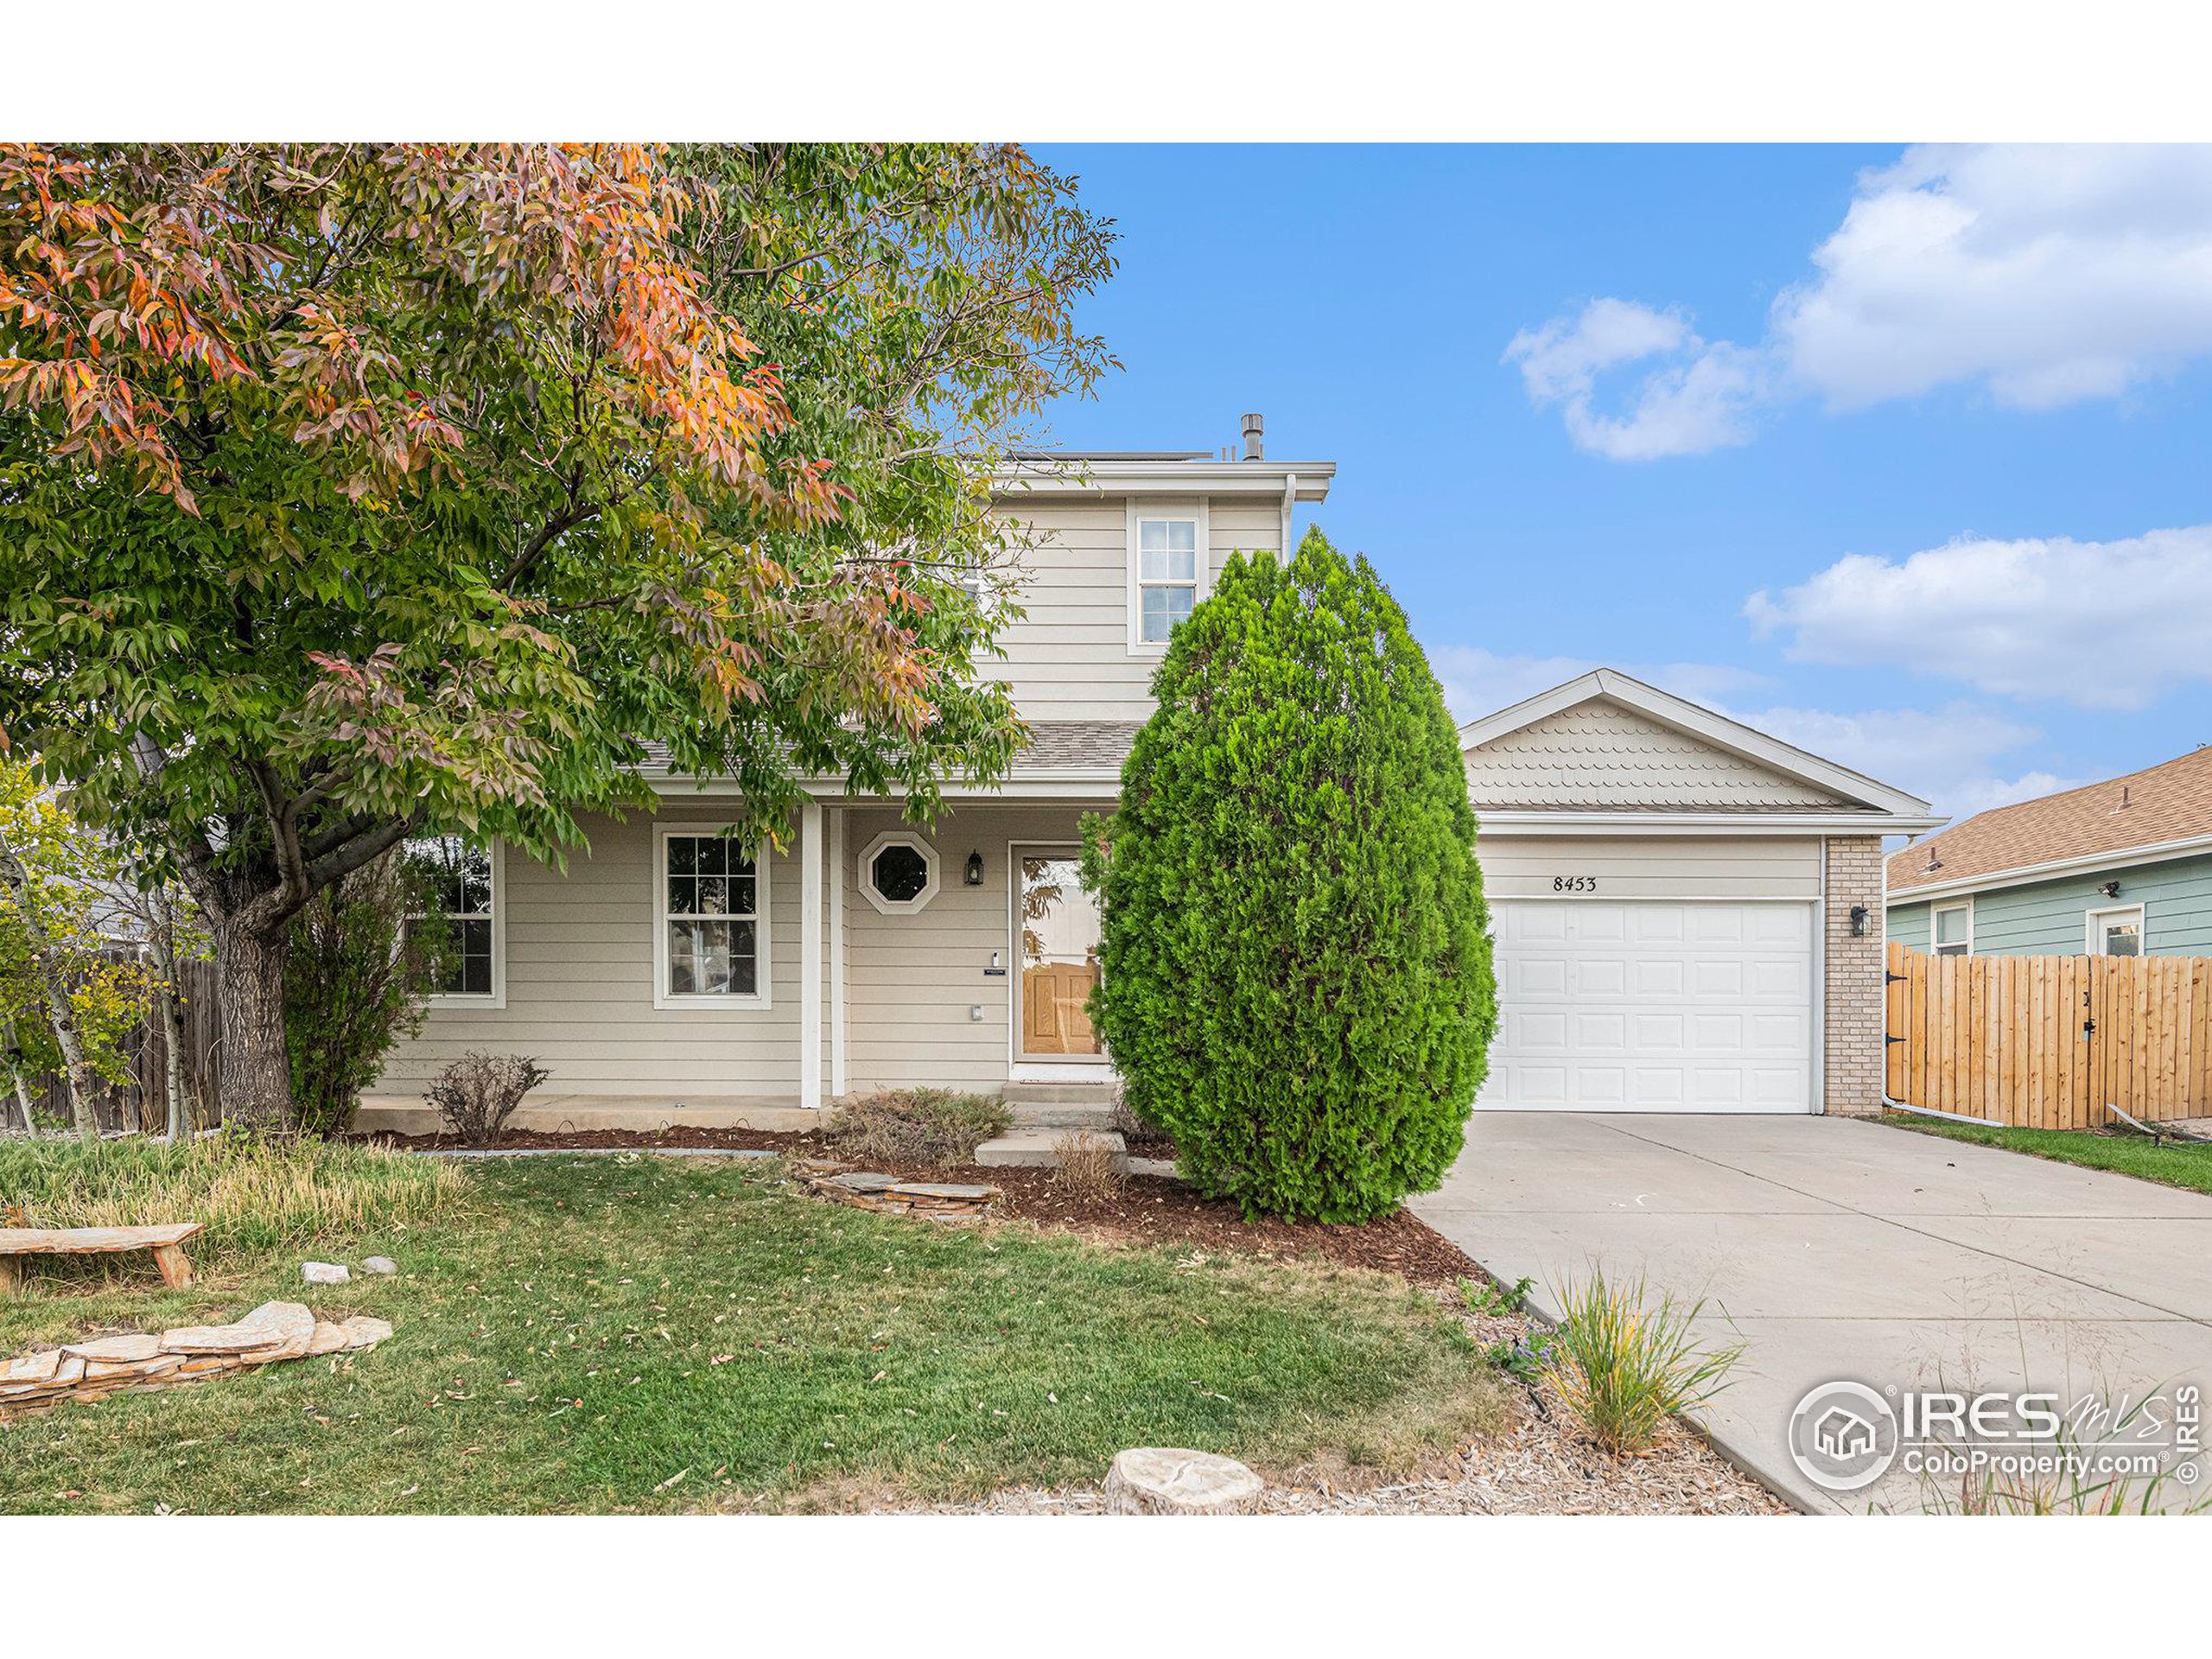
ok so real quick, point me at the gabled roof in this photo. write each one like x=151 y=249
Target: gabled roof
x=1720 y=768
x=2164 y=810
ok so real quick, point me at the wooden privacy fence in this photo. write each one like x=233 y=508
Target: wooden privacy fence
x=141 y=1100
x=2051 y=1042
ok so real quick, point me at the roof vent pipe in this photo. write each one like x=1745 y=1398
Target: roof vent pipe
x=1256 y=426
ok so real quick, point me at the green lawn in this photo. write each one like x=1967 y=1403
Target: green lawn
x=589 y=1334
x=2170 y=1164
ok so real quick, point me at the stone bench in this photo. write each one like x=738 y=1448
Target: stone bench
x=167 y=1242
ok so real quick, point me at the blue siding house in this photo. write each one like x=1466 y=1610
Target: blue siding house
x=2118 y=869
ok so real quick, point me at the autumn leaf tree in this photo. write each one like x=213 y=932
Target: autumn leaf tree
x=350 y=493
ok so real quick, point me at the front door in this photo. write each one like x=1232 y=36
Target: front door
x=1056 y=953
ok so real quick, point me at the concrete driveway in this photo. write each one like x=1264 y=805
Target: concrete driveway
x=1848 y=1249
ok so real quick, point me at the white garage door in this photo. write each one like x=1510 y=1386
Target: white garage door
x=1651 y=1007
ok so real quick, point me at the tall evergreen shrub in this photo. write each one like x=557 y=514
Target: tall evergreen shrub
x=1297 y=965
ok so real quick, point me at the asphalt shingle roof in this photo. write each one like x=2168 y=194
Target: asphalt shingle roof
x=2169 y=802
x=1055 y=746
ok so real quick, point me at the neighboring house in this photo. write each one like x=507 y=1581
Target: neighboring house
x=2122 y=868
x=1687 y=912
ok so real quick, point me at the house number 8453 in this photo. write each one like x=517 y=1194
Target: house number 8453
x=1574 y=884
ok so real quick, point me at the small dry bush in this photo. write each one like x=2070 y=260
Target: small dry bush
x=1626 y=1363
x=1090 y=1169
x=478 y=1093
x=931 y=1127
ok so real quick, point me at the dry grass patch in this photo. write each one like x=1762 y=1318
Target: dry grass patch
x=252 y=1194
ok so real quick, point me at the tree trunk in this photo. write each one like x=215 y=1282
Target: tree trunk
x=257 y=1074
x=163 y=937
x=15 y=1077
x=59 y=1013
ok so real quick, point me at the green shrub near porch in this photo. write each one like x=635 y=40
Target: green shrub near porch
x=1297 y=981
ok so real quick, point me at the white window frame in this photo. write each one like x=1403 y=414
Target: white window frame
x=1190 y=513
x=763 y=976
x=864 y=872
x=1934 y=945
x=2094 y=921
x=497 y=996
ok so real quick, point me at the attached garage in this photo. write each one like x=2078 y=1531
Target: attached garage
x=1687 y=912
x=1653 y=1006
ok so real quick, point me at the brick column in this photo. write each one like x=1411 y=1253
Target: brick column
x=1854 y=967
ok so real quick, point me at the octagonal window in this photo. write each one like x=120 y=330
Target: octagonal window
x=898 y=873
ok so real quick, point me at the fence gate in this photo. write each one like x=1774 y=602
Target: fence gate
x=2049 y=1042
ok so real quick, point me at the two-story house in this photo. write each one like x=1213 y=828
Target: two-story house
x=1687 y=912
x=664 y=977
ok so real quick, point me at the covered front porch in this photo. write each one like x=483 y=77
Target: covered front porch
x=666 y=980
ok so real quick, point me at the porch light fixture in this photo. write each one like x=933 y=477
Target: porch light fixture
x=1858 y=921
x=974 y=875
x=2111 y=889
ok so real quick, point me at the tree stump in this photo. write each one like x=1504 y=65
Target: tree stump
x=1165 y=1480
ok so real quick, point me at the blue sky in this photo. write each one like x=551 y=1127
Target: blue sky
x=1587 y=402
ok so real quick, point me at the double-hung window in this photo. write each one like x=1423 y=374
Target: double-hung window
x=463 y=880
x=712 y=922
x=1167 y=559
x=1953 y=931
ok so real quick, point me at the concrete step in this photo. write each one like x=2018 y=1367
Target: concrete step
x=1057 y=1094
x=1038 y=1149
x=1064 y=1117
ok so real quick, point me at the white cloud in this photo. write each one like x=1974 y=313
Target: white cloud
x=1950 y=757
x=1696 y=402
x=2106 y=624
x=1478 y=681
x=1979 y=795
x=2047 y=273
x=1947 y=757
x=2044 y=274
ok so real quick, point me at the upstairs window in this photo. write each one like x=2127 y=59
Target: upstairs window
x=1165 y=566
x=464 y=891
x=1954 y=932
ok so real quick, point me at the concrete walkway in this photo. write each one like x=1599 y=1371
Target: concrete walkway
x=1848 y=1249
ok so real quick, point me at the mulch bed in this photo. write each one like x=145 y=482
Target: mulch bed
x=1159 y=1210
x=1148 y=1209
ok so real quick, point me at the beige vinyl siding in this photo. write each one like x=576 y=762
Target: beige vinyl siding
x=580 y=970
x=1599 y=753
x=910 y=981
x=1659 y=867
x=1069 y=656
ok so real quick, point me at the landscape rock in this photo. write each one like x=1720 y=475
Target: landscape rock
x=31 y=1368
x=362 y=1332
x=288 y=1327
x=888 y=1195
x=324 y=1273
x=132 y=1344
x=1166 y=1480
x=383 y=1265
x=99 y=1366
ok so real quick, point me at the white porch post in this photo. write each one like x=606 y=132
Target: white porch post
x=809 y=956
x=838 y=953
